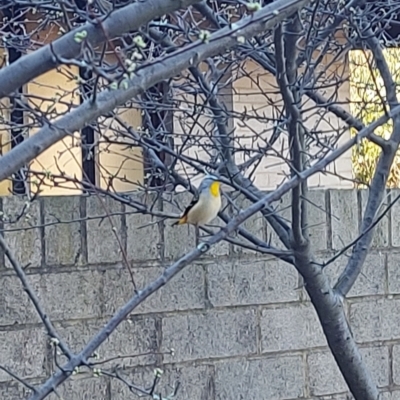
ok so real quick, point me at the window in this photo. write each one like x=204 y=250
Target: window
x=105 y=159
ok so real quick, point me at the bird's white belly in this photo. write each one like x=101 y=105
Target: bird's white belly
x=204 y=211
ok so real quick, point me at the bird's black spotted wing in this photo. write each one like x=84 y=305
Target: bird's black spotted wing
x=187 y=209
x=190 y=206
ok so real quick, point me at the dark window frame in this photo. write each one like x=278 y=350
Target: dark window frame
x=17 y=114
x=88 y=137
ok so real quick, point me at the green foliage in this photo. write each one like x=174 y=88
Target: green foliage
x=367 y=92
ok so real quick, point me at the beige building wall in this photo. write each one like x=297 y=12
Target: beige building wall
x=5 y=142
x=257 y=94
x=193 y=130
x=52 y=95
x=5 y=136
x=120 y=162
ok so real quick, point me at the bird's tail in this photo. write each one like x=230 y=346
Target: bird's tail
x=180 y=221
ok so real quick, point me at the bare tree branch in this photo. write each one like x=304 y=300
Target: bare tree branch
x=120 y=21
x=35 y=300
x=271 y=133
x=18 y=379
x=170 y=272
x=377 y=189
x=327 y=304
x=331 y=314
x=154 y=72
x=262 y=61
x=227 y=166
x=258 y=245
x=286 y=55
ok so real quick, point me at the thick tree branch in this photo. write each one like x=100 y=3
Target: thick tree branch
x=148 y=76
x=327 y=304
x=125 y=19
x=383 y=67
x=230 y=168
x=259 y=245
x=60 y=376
x=253 y=193
x=246 y=186
x=377 y=188
x=331 y=314
x=217 y=108
x=260 y=59
x=286 y=56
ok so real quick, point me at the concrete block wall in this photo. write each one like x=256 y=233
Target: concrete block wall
x=232 y=325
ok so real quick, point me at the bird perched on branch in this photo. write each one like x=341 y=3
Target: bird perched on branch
x=204 y=207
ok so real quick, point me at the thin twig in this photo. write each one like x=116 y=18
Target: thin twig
x=35 y=300
x=17 y=378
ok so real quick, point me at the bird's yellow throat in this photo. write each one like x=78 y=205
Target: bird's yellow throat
x=214 y=188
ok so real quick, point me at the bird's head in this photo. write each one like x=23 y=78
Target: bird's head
x=212 y=184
